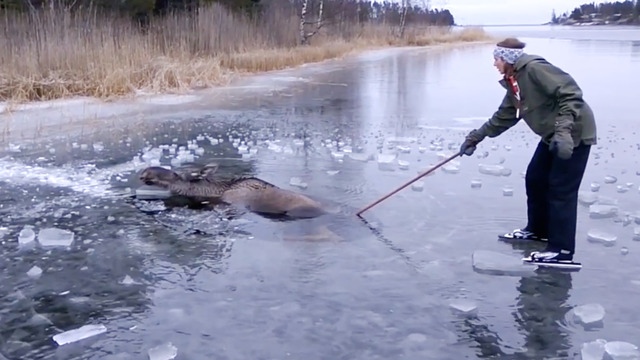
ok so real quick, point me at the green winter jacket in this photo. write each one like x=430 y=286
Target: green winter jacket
x=547 y=94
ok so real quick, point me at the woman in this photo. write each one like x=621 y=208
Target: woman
x=551 y=103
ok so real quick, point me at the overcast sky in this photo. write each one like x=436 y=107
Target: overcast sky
x=500 y=12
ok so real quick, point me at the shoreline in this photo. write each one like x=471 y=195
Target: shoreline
x=228 y=74
x=109 y=58
x=39 y=121
x=10 y=107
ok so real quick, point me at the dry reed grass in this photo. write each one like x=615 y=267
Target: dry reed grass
x=52 y=55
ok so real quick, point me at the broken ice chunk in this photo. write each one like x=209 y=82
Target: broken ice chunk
x=152 y=154
x=332 y=172
x=51 y=237
x=296 y=181
x=451 y=168
x=128 y=280
x=507 y=191
x=417 y=186
x=587 y=197
x=243 y=149
x=623 y=188
x=597 y=211
x=338 y=155
x=148 y=192
x=463 y=306
x=624 y=250
x=589 y=313
x=275 y=147
x=163 y=352
x=26 y=236
x=359 y=157
x=34 y=272
x=620 y=350
x=593 y=350
x=78 y=334
x=403 y=165
x=493 y=263
x=595 y=187
x=385 y=161
x=3 y=232
x=404 y=149
x=609 y=179
x=495 y=170
x=636 y=233
x=601 y=237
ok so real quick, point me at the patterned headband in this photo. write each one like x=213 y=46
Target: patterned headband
x=507 y=54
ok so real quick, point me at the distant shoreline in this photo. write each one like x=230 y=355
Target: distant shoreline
x=552 y=24
x=594 y=24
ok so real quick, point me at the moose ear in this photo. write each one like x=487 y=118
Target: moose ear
x=209 y=169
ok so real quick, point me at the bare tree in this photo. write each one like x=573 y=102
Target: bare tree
x=303 y=20
x=304 y=35
x=403 y=17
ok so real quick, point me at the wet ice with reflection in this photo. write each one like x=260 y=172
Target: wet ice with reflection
x=494 y=263
x=320 y=300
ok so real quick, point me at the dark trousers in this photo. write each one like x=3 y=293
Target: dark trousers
x=552 y=195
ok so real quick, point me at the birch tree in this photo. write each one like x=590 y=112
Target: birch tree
x=403 y=17
x=305 y=35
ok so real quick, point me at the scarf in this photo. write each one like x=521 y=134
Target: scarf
x=513 y=84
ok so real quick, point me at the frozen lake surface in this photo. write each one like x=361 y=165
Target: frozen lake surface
x=87 y=272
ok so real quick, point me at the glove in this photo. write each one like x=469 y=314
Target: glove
x=470 y=142
x=562 y=142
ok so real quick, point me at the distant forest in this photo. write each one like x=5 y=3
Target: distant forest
x=607 y=13
x=387 y=12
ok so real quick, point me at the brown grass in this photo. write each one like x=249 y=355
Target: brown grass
x=53 y=55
